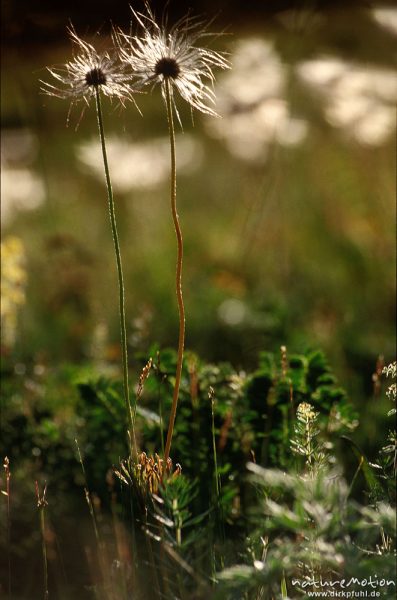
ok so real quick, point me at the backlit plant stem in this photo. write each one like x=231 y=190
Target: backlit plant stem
x=181 y=308
x=113 y=224
x=211 y=394
x=41 y=505
x=44 y=552
x=7 y=492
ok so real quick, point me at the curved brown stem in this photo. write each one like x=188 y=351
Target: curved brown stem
x=181 y=308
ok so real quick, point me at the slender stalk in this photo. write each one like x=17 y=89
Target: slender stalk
x=353 y=481
x=217 y=485
x=177 y=521
x=6 y=466
x=153 y=569
x=160 y=400
x=44 y=551
x=113 y=224
x=181 y=308
x=211 y=395
x=88 y=497
x=41 y=504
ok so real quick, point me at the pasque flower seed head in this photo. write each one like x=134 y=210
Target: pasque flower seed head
x=89 y=70
x=91 y=75
x=161 y=54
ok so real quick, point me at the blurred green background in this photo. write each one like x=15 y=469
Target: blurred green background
x=286 y=203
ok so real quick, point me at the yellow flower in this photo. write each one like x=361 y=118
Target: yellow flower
x=13 y=283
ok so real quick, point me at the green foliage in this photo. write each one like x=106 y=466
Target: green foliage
x=386 y=466
x=276 y=390
x=313 y=531
x=38 y=422
x=306 y=528
x=102 y=432
x=253 y=417
x=294 y=518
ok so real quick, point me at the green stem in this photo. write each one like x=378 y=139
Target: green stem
x=119 y=270
x=44 y=551
x=88 y=497
x=211 y=395
x=8 y=492
x=217 y=487
x=181 y=308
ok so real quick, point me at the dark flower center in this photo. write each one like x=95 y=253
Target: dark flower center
x=168 y=67
x=95 y=77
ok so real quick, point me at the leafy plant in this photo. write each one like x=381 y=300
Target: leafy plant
x=386 y=465
x=314 y=532
x=306 y=530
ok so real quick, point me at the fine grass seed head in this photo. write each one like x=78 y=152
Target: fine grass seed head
x=80 y=78
x=160 y=54
x=147 y=473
